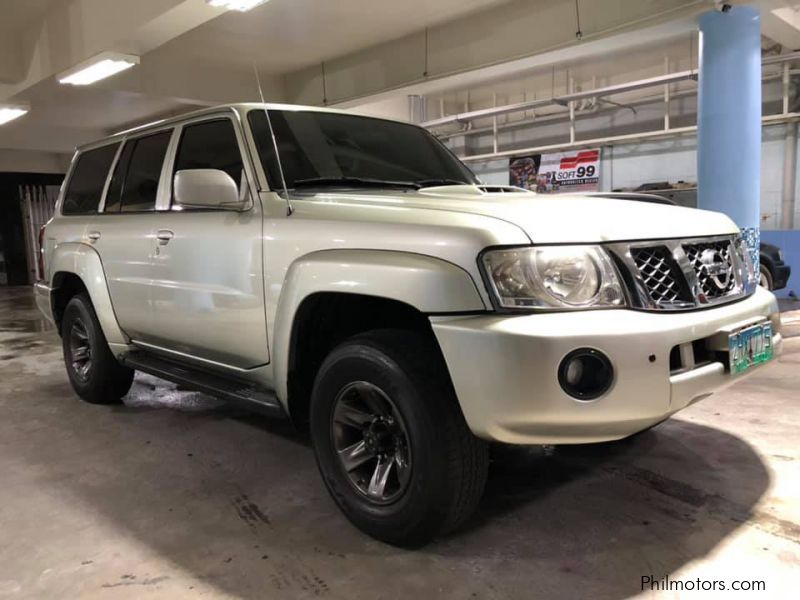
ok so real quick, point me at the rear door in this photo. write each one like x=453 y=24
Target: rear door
x=123 y=232
x=207 y=273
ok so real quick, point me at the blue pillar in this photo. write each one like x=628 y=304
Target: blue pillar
x=729 y=118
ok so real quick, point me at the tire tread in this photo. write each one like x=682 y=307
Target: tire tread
x=112 y=380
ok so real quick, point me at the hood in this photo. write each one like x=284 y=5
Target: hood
x=558 y=218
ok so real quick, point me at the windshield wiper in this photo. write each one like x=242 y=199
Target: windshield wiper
x=444 y=181
x=354 y=182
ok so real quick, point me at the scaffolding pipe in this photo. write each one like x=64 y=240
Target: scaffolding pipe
x=565 y=115
x=571 y=112
x=666 y=96
x=689 y=75
x=786 y=83
x=494 y=124
x=604 y=141
x=565 y=99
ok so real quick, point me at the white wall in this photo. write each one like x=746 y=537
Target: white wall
x=673 y=160
x=30 y=161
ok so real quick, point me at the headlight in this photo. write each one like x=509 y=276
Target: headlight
x=553 y=277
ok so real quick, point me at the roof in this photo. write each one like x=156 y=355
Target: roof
x=238 y=108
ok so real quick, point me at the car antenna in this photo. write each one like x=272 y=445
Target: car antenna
x=289 y=209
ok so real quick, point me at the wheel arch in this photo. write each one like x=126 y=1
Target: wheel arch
x=329 y=296
x=766 y=260
x=77 y=268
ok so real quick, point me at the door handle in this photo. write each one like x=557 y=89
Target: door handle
x=93 y=236
x=164 y=236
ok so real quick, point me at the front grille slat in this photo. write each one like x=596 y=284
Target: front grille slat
x=681 y=274
x=660 y=274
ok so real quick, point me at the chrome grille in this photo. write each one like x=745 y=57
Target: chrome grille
x=680 y=274
x=659 y=274
x=713 y=283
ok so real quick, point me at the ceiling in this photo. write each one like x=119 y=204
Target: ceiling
x=186 y=67
x=21 y=14
x=196 y=55
x=285 y=35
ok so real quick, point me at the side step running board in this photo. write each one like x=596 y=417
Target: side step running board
x=239 y=393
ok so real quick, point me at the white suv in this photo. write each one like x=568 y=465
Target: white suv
x=352 y=274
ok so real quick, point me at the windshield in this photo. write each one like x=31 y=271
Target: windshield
x=325 y=149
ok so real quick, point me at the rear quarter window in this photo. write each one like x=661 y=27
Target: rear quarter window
x=85 y=186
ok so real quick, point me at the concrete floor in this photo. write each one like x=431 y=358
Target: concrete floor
x=174 y=496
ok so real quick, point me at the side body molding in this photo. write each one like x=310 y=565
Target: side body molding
x=429 y=284
x=84 y=261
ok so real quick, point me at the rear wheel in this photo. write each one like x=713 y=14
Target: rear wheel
x=390 y=440
x=95 y=375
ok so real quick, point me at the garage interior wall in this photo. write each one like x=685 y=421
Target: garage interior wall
x=673 y=160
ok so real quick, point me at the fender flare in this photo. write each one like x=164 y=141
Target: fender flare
x=428 y=284
x=84 y=261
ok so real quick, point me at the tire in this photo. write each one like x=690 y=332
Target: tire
x=94 y=373
x=766 y=278
x=436 y=467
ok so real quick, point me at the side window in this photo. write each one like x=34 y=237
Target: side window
x=87 y=180
x=211 y=145
x=138 y=187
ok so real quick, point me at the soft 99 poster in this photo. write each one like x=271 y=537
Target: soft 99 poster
x=557 y=173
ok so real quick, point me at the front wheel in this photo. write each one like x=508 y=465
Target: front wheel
x=390 y=440
x=95 y=375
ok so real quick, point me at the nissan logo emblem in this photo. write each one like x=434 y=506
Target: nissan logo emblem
x=716 y=267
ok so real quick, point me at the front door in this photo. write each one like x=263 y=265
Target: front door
x=207 y=277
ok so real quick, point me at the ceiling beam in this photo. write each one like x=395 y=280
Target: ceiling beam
x=501 y=42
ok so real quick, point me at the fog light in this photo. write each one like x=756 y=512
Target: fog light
x=585 y=374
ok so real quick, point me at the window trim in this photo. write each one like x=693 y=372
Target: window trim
x=128 y=139
x=101 y=207
x=256 y=179
x=172 y=155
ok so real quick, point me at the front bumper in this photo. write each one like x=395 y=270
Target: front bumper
x=43 y=294
x=781 y=277
x=504 y=368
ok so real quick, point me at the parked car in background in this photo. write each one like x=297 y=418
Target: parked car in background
x=352 y=274
x=774 y=271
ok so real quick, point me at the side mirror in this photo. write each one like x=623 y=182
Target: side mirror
x=207 y=188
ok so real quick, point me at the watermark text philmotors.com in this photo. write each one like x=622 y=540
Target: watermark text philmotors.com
x=666 y=584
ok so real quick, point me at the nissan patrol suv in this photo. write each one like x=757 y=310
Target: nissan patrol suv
x=351 y=274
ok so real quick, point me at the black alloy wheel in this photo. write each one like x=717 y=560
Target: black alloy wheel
x=371 y=442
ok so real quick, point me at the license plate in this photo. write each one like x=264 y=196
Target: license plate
x=750 y=347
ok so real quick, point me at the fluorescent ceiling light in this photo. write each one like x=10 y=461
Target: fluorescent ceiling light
x=97 y=68
x=9 y=113
x=240 y=5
